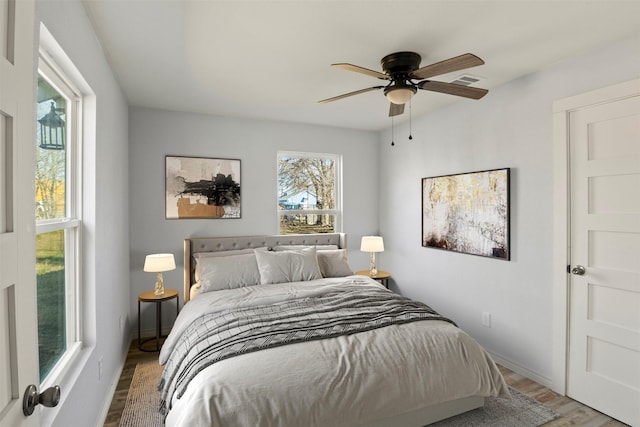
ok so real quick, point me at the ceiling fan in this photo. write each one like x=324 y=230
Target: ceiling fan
x=405 y=77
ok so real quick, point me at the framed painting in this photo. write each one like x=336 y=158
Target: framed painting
x=467 y=213
x=202 y=188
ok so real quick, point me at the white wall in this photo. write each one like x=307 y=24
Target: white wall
x=510 y=127
x=157 y=133
x=106 y=222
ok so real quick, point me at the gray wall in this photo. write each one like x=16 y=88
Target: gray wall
x=157 y=133
x=510 y=127
x=105 y=283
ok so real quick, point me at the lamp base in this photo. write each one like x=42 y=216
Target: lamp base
x=159 y=285
x=373 y=270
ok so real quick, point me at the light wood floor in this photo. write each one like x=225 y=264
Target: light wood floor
x=572 y=413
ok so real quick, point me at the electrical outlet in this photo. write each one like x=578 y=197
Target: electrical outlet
x=100 y=367
x=486 y=319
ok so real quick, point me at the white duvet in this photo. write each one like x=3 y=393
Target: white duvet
x=343 y=381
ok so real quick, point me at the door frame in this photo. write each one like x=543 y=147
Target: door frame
x=562 y=109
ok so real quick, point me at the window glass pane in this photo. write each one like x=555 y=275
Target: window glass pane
x=51 y=152
x=298 y=223
x=50 y=277
x=306 y=183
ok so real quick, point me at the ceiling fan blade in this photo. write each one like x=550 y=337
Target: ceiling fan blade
x=345 y=95
x=453 y=89
x=362 y=70
x=395 y=109
x=457 y=63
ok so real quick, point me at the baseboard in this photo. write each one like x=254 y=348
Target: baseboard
x=102 y=417
x=522 y=370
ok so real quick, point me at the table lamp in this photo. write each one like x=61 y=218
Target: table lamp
x=157 y=263
x=372 y=244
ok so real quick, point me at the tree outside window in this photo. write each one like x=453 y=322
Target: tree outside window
x=57 y=221
x=308 y=193
x=51 y=164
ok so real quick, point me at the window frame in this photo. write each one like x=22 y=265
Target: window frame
x=71 y=223
x=337 y=170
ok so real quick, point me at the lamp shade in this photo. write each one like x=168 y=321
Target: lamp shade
x=159 y=262
x=372 y=244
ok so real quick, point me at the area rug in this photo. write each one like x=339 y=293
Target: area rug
x=141 y=406
x=520 y=411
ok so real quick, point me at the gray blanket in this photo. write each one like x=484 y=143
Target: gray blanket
x=222 y=334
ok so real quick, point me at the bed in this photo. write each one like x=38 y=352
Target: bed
x=277 y=331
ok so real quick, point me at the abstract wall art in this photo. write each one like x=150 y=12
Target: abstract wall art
x=199 y=187
x=467 y=213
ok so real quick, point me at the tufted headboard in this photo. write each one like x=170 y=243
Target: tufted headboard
x=193 y=245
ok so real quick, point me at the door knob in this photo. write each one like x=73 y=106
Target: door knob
x=49 y=398
x=578 y=270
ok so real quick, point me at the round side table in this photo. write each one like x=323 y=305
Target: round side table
x=150 y=296
x=382 y=276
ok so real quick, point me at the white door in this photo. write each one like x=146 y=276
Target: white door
x=18 y=328
x=604 y=292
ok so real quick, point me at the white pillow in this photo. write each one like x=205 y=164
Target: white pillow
x=288 y=266
x=228 y=272
x=334 y=263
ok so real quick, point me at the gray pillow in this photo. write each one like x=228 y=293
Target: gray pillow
x=334 y=263
x=228 y=272
x=199 y=255
x=288 y=266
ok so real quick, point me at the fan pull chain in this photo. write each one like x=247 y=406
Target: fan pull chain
x=410 y=137
x=392 y=143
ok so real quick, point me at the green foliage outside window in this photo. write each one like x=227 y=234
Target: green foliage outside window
x=50 y=277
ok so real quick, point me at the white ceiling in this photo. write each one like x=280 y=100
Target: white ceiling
x=271 y=59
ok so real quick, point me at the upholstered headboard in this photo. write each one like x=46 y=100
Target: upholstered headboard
x=193 y=245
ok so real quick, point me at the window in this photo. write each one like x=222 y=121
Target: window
x=57 y=182
x=309 y=193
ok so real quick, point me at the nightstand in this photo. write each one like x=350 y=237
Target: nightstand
x=382 y=276
x=150 y=296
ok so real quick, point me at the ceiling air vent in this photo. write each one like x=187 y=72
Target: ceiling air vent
x=466 y=80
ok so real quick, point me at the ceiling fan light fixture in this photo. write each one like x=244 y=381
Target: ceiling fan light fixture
x=405 y=76
x=400 y=95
